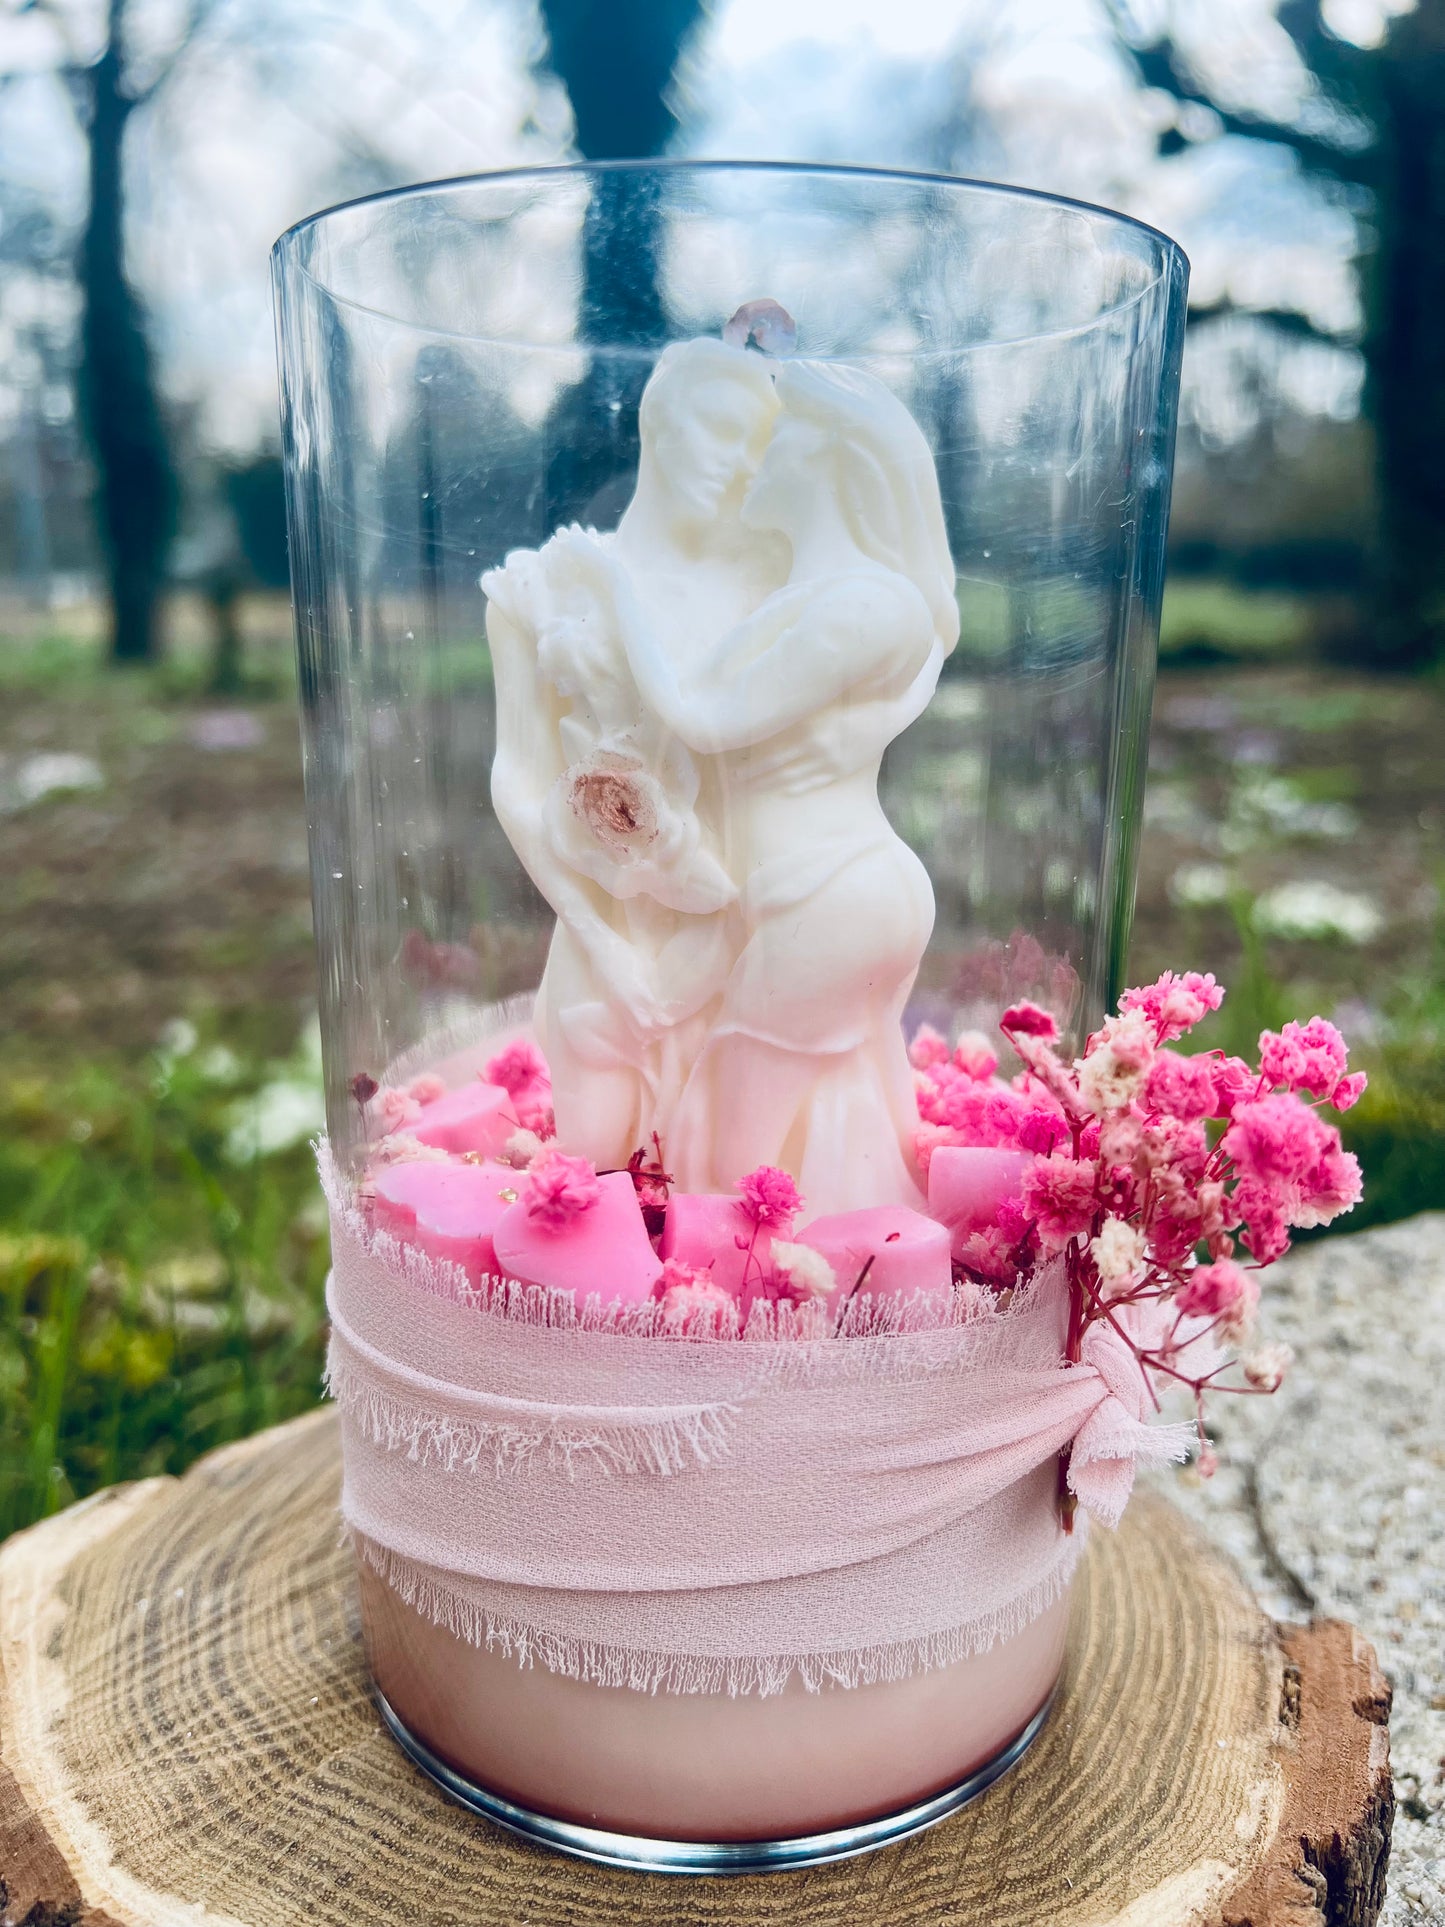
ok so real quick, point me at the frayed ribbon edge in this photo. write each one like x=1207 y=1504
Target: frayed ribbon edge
x=761 y=1675
x=663 y=1445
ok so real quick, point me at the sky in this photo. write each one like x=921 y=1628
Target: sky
x=281 y=106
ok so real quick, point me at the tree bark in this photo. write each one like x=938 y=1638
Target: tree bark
x=135 y=479
x=1405 y=342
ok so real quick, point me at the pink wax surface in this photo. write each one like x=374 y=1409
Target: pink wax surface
x=967 y=1184
x=477 y=1117
x=703 y=1228
x=704 y=1766
x=604 y=1249
x=450 y=1210
x=908 y=1252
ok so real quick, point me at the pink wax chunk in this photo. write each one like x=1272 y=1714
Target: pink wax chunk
x=967 y=1184
x=703 y=1228
x=450 y=1210
x=604 y=1248
x=477 y=1117
x=909 y=1252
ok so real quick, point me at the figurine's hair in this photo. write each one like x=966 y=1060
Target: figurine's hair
x=687 y=358
x=886 y=480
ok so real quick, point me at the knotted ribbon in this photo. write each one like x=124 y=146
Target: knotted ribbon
x=719 y=1515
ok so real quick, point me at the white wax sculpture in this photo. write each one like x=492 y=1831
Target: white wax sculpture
x=691 y=714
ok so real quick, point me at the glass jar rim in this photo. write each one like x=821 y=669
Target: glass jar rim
x=285 y=251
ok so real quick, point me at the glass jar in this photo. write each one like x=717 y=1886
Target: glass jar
x=726 y=603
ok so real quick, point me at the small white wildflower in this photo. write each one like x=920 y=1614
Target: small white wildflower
x=1119 y=1252
x=281 y=1114
x=1307 y=908
x=1265 y=1368
x=806 y=1270
x=1195 y=885
x=520 y=1148
x=178 y=1038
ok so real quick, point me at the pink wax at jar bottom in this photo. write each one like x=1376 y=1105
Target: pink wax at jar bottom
x=701 y=1766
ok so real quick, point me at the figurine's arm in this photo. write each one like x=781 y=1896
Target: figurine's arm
x=523 y=770
x=800 y=652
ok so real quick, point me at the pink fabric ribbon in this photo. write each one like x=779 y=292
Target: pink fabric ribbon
x=720 y=1515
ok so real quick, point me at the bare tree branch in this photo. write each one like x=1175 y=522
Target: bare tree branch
x=1160 y=65
x=1286 y=321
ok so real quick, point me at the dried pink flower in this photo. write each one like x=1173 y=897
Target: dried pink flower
x=1304 y=1057
x=534 y=1113
x=928 y=1047
x=1042 y=1131
x=518 y=1068
x=1234 y=1083
x=427 y=1088
x=1058 y=1194
x=1175 y=1004
x=1216 y=1290
x=1029 y=1020
x=558 y=1189
x=1348 y=1092
x=1181 y=1086
x=770 y=1197
x=990 y=1254
x=975 y=1056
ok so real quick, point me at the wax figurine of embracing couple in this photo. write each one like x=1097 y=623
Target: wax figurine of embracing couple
x=691 y=715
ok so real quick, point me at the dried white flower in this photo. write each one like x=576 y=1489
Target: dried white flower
x=1113 y=1073
x=521 y=1147
x=1265 y=1368
x=807 y=1271
x=1119 y=1252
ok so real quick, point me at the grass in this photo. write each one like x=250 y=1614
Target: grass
x=1212 y=619
x=156 y=1299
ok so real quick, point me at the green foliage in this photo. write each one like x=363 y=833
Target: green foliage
x=1397 y=1130
x=156 y=1299
x=1207 y=617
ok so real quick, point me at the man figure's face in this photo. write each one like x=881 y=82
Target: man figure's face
x=707 y=448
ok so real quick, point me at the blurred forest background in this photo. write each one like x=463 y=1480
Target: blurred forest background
x=162 y=1241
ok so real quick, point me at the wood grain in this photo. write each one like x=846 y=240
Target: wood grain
x=186 y=1737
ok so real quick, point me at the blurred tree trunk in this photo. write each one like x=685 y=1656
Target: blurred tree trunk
x=1390 y=142
x=135 y=480
x=1405 y=344
x=615 y=58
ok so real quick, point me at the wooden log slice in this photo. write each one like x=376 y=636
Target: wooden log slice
x=186 y=1737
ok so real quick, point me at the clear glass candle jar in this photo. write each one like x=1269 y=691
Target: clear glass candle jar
x=726 y=601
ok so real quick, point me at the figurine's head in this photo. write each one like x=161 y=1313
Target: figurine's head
x=845 y=447
x=706 y=415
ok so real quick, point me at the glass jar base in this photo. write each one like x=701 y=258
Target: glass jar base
x=643 y=1854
